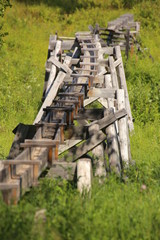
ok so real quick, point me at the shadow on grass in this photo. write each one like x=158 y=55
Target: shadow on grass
x=67 y=6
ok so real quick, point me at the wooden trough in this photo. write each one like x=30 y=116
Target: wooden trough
x=69 y=134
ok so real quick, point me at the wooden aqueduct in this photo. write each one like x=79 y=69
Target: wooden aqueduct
x=85 y=117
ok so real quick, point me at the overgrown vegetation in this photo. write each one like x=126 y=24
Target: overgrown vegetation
x=115 y=210
x=3 y=5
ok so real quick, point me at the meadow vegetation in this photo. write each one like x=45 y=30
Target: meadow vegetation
x=115 y=210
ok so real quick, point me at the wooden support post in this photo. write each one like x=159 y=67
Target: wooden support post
x=113 y=72
x=124 y=86
x=113 y=146
x=123 y=129
x=84 y=175
x=98 y=154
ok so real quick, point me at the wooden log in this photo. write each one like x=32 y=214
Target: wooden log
x=89 y=64
x=123 y=129
x=75 y=61
x=86 y=70
x=124 y=86
x=84 y=175
x=98 y=154
x=91 y=56
x=113 y=146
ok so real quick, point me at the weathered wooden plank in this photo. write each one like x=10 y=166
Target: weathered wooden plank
x=58 y=64
x=8 y=186
x=21 y=162
x=74 y=75
x=89 y=64
x=117 y=62
x=113 y=146
x=113 y=72
x=90 y=100
x=124 y=86
x=78 y=151
x=69 y=143
x=51 y=95
x=110 y=119
x=59 y=101
x=107 y=50
x=101 y=92
x=75 y=61
x=90 y=56
x=123 y=129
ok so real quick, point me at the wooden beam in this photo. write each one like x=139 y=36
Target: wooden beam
x=124 y=86
x=51 y=95
x=58 y=64
x=101 y=92
x=84 y=175
x=78 y=151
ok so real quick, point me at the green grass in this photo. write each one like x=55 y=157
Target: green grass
x=114 y=210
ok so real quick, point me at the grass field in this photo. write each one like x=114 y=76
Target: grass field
x=115 y=210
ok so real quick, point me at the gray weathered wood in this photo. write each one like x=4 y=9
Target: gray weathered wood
x=113 y=146
x=113 y=72
x=101 y=92
x=69 y=143
x=123 y=129
x=124 y=86
x=98 y=154
x=58 y=64
x=51 y=95
x=84 y=175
